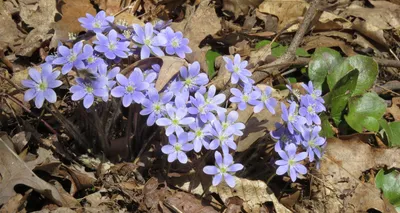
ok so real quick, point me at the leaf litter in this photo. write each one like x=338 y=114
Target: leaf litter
x=86 y=181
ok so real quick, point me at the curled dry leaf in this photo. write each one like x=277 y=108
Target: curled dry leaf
x=169 y=68
x=240 y=7
x=70 y=12
x=9 y=33
x=373 y=21
x=394 y=110
x=38 y=15
x=313 y=42
x=287 y=11
x=201 y=22
x=254 y=193
x=339 y=178
x=14 y=171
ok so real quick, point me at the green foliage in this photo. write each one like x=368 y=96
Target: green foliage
x=323 y=61
x=365 y=112
x=341 y=93
x=389 y=183
x=348 y=80
x=326 y=127
x=367 y=67
x=210 y=60
x=392 y=131
x=277 y=50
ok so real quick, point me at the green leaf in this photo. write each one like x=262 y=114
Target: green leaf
x=365 y=112
x=340 y=95
x=389 y=183
x=338 y=72
x=326 y=127
x=210 y=60
x=263 y=43
x=392 y=131
x=367 y=67
x=279 y=50
x=302 y=52
x=323 y=61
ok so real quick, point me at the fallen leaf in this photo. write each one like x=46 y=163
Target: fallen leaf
x=338 y=181
x=394 y=110
x=254 y=194
x=287 y=11
x=224 y=76
x=14 y=171
x=240 y=7
x=12 y=204
x=186 y=202
x=313 y=42
x=70 y=12
x=199 y=23
x=372 y=21
x=169 y=68
x=40 y=16
x=20 y=140
x=9 y=33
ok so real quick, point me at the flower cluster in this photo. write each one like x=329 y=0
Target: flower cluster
x=300 y=131
x=190 y=111
x=250 y=94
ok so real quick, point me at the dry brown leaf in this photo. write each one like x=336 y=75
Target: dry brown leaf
x=329 y=21
x=170 y=67
x=240 y=7
x=114 y=7
x=38 y=15
x=14 y=171
x=373 y=21
x=312 y=42
x=287 y=11
x=394 y=110
x=199 y=23
x=20 y=140
x=12 y=204
x=254 y=193
x=224 y=76
x=9 y=33
x=339 y=183
x=186 y=202
x=70 y=12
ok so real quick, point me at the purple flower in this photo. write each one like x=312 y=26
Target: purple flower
x=221 y=137
x=98 y=24
x=154 y=107
x=199 y=132
x=176 y=149
x=284 y=137
x=110 y=46
x=248 y=96
x=41 y=86
x=107 y=77
x=266 y=101
x=309 y=109
x=214 y=100
x=223 y=170
x=72 y=58
x=192 y=77
x=293 y=120
x=314 y=94
x=160 y=25
x=176 y=118
x=92 y=62
x=130 y=89
x=313 y=142
x=176 y=44
x=290 y=162
x=229 y=122
x=88 y=89
x=150 y=43
x=200 y=108
x=238 y=69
